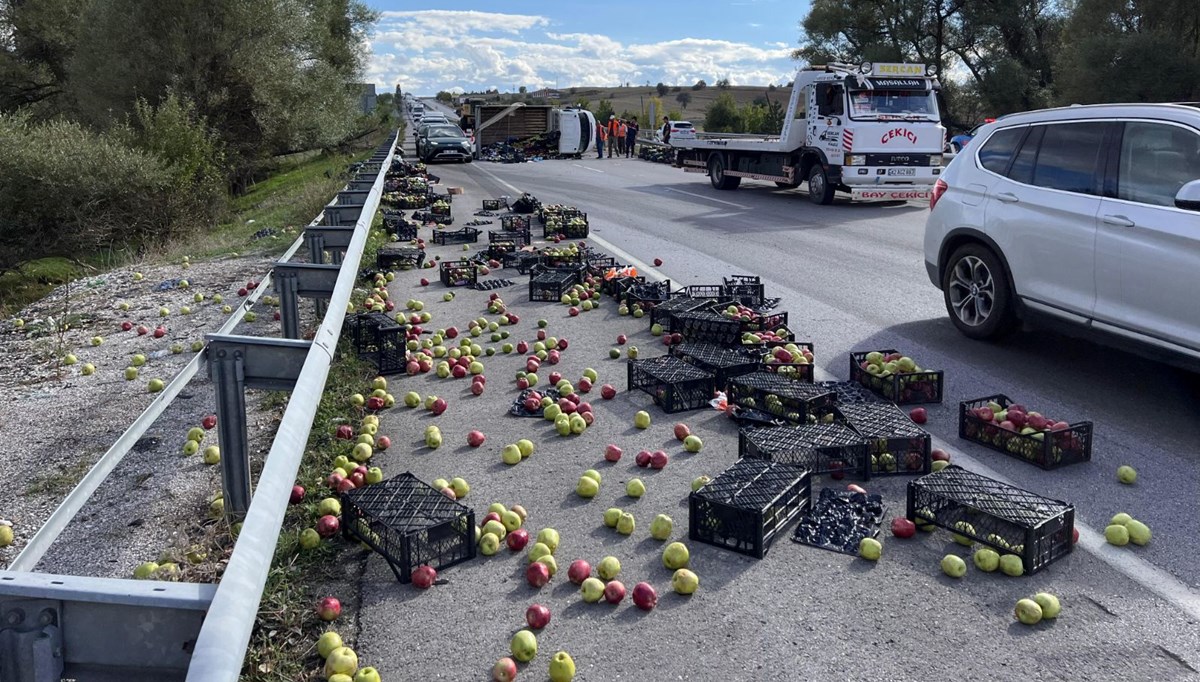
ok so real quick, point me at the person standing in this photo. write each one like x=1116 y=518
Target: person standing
x=600 y=130
x=666 y=136
x=614 y=129
x=631 y=133
x=621 y=137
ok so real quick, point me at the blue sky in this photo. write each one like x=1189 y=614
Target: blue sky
x=431 y=46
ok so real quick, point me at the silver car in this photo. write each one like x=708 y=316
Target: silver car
x=1088 y=214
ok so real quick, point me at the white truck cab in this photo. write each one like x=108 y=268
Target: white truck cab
x=873 y=131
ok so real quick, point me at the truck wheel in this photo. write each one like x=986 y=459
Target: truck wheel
x=716 y=174
x=820 y=192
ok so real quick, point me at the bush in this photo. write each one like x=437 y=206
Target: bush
x=66 y=191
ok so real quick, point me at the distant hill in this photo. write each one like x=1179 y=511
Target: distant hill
x=637 y=98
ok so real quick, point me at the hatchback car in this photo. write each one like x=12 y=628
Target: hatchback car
x=680 y=130
x=445 y=142
x=1088 y=214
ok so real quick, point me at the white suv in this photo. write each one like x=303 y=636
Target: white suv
x=1089 y=214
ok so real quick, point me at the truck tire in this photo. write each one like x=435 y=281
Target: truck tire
x=820 y=192
x=716 y=174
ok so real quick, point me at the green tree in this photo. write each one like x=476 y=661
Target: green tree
x=661 y=89
x=522 y=90
x=723 y=116
x=723 y=84
x=604 y=110
x=700 y=85
x=37 y=42
x=684 y=99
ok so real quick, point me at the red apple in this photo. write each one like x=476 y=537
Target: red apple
x=505 y=670
x=375 y=404
x=522 y=347
x=657 y=262
x=424 y=576
x=614 y=592
x=490 y=516
x=903 y=528
x=439 y=406
x=837 y=470
x=682 y=431
x=1074 y=535
x=425 y=366
x=554 y=378
x=523 y=384
x=345 y=485
x=579 y=571
x=562 y=344
x=855 y=488
x=940 y=456
x=666 y=339
x=985 y=414
x=608 y=392
x=532 y=365
x=329 y=608
x=297 y=494
x=566 y=405
x=412 y=367
x=357 y=479
x=160 y=331
x=345 y=432
x=553 y=357
x=537 y=574
x=126 y=326
x=919 y=415
x=658 y=459
x=541 y=335
x=621 y=339
x=327 y=526
x=424 y=282
x=449 y=492
x=588 y=418
x=612 y=453
x=517 y=539
x=476 y=388
x=209 y=422
x=643 y=458
x=676 y=339
x=143 y=330
x=644 y=596
x=334 y=480
x=537 y=616
x=475 y=438
x=585 y=385
x=573 y=312
x=584 y=408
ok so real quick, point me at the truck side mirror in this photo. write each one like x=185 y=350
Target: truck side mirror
x=1188 y=196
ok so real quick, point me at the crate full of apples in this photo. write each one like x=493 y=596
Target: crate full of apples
x=1001 y=424
x=896 y=377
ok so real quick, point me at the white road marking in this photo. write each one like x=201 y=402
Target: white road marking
x=594 y=170
x=1171 y=589
x=706 y=198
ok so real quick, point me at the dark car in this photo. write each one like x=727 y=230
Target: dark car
x=444 y=142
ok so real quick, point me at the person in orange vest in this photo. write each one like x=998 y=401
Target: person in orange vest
x=600 y=131
x=621 y=135
x=614 y=130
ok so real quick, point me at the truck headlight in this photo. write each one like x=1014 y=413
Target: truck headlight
x=856 y=160
x=935 y=159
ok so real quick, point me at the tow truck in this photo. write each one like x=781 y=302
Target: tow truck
x=872 y=131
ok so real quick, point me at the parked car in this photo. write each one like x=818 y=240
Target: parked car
x=680 y=130
x=445 y=142
x=1088 y=214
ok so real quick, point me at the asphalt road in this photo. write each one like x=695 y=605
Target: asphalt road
x=851 y=278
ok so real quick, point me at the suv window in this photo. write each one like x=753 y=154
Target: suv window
x=1068 y=155
x=1156 y=160
x=995 y=154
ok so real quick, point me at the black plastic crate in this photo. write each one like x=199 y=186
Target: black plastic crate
x=708 y=292
x=572 y=226
x=549 y=284
x=647 y=295
x=913 y=388
x=1048 y=449
x=674 y=385
x=850 y=392
x=724 y=363
x=617 y=285
x=440 y=209
x=820 y=448
x=748 y=505
x=410 y=524
x=782 y=331
x=397 y=257
x=554 y=257
x=405 y=231
x=838 y=520
x=549 y=212
x=463 y=235
x=495 y=204
x=599 y=263
x=514 y=223
x=521 y=237
x=745 y=289
x=898 y=446
x=1006 y=518
x=379 y=340
x=663 y=312
x=459 y=273
x=713 y=327
x=795 y=401
x=523 y=261
x=797 y=371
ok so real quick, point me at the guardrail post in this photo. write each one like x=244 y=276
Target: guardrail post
x=235 y=364
x=289 y=304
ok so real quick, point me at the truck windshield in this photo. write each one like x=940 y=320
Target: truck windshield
x=893 y=104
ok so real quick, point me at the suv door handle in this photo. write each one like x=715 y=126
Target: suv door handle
x=1118 y=220
x=1007 y=197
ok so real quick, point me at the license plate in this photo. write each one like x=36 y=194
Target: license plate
x=902 y=171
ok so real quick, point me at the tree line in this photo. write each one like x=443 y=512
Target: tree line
x=129 y=121
x=1003 y=56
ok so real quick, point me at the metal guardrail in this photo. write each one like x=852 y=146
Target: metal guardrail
x=107 y=629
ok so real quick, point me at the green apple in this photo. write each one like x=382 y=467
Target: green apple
x=1126 y=474
x=611 y=516
x=510 y=519
x=608 y=568
x=987 y=559
x=1011 y=564
x=631 y=352
x=699 y=482
x=551 y=412
x=577 y=424
x=1121 y=518
x=1028 y=612
x=591 y=375
x=496 y=528
x=88 y=369
x=327 y=642
x=550 y=562
x=954 y=566
x=635 y=488
x=374 y=475
x=525 y=446
x=310 y=539
x=176 y=348
x=587 y=487
x=626 y=524
x=642 y=419
x=549 y=537
x=212 y=454
x=536 y=551
x=656 y=329
x=460 y=487
x=69 y=359
x=496 y=508
x=661 y=527
x=562 y=667
x=164 y=311
x=614 y=353
x=693 y=443
x=227 y=309
x=489 y=544
x=367 y=674
x=675 y=556
x=1117 y=534
x=145 y=570
x=97 y=340
x=1049 y=603
x=594 y=475
x=562 y=425
x=197 y=346
x=966 y=529
x=542 y=324
x=341 y=660
x=684 y=581
x=198 y=298
x=592 y=590
x=217 y=298
x=195 y=433
x=190 y=447
x=1139 y=533
x=938 y=465
x=330 y=506
x=870 y=549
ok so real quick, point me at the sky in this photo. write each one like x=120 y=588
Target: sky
x=474 y=46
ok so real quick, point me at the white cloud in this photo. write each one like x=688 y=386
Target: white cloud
x=430 y=50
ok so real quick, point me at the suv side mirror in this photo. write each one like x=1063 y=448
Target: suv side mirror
x=1188 y=196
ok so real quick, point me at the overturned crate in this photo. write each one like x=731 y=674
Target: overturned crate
x=1006 y=518
x=663 y=313
x=748 y=505
x=549 y=284
x=900 y=387
x=410 y=524
x=647 y=295
x=515 y=223
x=380 y=340
x=459 y=273
x=463 y=235
x=522 y=261
x=831 y=449
x=397 y=257
x=724 y=363
x=495 y=204
x=898 y=446
x=745 y=289
x=674 y=385
x=796 y=401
